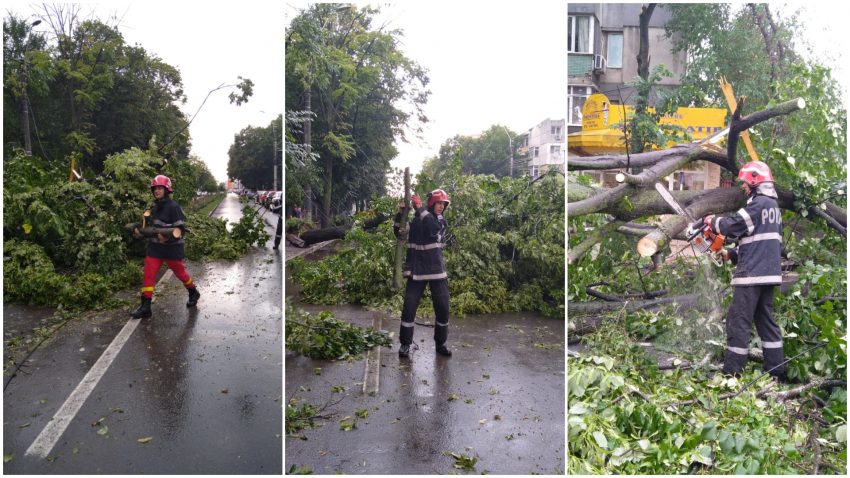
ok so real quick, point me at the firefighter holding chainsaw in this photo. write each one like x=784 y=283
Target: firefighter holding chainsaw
x=426 y=267
x=758 y=229
x=166 y=213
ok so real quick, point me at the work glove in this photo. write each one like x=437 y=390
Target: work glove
x=417 y=203
x=707 y=220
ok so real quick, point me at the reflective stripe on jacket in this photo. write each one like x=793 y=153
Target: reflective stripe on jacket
x=758 y=229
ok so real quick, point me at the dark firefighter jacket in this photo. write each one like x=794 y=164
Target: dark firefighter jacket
x=758 y=229
x=167 y=213
x=426 y=240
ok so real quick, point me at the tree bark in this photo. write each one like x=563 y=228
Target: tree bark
x=400 y=249
x=643 y=50
x=336 y=232
x=326 y=194
x=308 y=143
x=595 y=308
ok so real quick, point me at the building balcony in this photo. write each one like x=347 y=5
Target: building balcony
x=580 y=64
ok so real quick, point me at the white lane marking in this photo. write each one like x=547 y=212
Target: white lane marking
x=46 y=440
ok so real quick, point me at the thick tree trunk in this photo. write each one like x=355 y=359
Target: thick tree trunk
x=326 y=195
x=643 y=49
x=336 y=232
x=308 y=142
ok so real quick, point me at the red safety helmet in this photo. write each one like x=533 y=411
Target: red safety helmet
x=438 y=195
x=161 y=180
x=755 y=173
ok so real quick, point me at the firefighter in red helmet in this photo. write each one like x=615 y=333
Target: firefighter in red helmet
x=426 y=267
x=165 y=213
x=758 y=229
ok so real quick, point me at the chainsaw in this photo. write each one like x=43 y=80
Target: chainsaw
x=698 y=234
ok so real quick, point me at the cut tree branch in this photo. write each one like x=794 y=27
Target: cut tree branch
x=594 y=237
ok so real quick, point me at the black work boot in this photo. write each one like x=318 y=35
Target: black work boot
x=194 y=295
x=444 y=351
x=144 y=310
x=404 y=350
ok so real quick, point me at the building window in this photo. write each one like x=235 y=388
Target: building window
x=556 y=130
x=535 y=172
x=577 y=96
x=580 y=33
x=615 y=50
x=554 y=149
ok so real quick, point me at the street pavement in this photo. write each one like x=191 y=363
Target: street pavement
x=499 y=399
x=193 y=391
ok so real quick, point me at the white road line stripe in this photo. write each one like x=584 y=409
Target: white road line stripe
x=46 y=440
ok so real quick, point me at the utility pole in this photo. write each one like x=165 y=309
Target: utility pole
x=274 y=157
x=510 y=150
x=25 y=99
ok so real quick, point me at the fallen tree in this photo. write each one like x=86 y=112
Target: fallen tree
x=316 y=236
x=635 y=197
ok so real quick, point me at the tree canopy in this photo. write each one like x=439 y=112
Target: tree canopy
x=90 y=94
x=365 y=94
x=487 y=153
x=254 y=153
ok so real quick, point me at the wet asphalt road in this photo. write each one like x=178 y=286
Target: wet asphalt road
x=203 y=384
x=499 y=399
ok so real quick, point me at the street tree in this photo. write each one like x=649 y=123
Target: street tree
x=487 y=153
x=253 y=155
x=90 y=94
x=364 y=91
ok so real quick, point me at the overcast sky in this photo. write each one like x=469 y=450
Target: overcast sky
x=488 y=62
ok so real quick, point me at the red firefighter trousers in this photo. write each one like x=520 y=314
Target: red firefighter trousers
x=152 y=265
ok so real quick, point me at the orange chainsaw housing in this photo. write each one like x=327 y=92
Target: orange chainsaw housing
x=714 y=241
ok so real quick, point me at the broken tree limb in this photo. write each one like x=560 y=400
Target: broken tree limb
x=593 y=307
x=598 y=202
x=781 y=109
x=337 y=232
x=401 y=246
x=832 y=222
x=797 y=391
x=732 y=142
x=594 y=237
x=621 y=298
x=652 y=174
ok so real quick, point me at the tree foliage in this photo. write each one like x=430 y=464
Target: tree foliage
x=365 y=94
x=506 y=253
x=90 y=94
x=64 y=242
x=253 y=155
x=486 y=153
x=623 y=413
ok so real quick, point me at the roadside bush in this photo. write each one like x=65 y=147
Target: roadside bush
x=64 y=242
x=28 y=274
